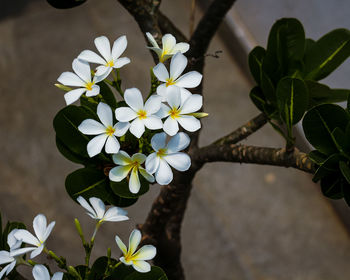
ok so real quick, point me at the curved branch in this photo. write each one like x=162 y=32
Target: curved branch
x=167 y=26
x=257 y=155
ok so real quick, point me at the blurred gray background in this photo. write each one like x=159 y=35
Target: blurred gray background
x=243 y=221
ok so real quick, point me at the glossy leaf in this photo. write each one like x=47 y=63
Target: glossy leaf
x=317 y=157
x=345 y=170
x=327 y=54
x=320 y=94
x=319 y=123
x=65 y=4
x=268 y=89
x=122 y=188
x=98 y=268
x=332 y=186
x=156 y=273
x=327 y=168
x=255 y=61
x=107 y=95
x=292 y=98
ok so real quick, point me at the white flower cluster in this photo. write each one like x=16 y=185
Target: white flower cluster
x=96 y=209
x=170 y=107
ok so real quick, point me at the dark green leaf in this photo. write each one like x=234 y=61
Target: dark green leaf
x=328 y=167
x=345 y=170
x=331 y=186
x=98 y=269
x=317 y=157
x=121 y=272
x=107 y=95
x=339 y=139
x=122 y=188
x=258 y=98
x=292 y=99
x=268 y=89
x=65 y=4
x=255 y=60
x=327 y=54
x=319 y=123
x=67 y=153
x=156 y=273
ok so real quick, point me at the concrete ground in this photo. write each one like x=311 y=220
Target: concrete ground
x=243 y=221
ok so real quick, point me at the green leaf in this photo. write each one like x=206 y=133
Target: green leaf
x=320 y=94
x=122 y=188
x=339 y=139
x=345 y=170
x=98 y=268
x=319 y=123
x=67 y=153
x=317 y=157
x=255 y=61
x=65 y=4
x=156 y=273
x=258 y=98
x=332 y=186
x=268 y=89
x=107 y=95
x=328 y=167
x=292 y=98
x=327 y=54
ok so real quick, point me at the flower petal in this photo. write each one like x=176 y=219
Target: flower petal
x=152 y=163
x=40 y=272
x=39 y=225
x=179 y=161
x=124 y=261
x=158 y=141
x=133 y=98
x=70 y=79
x=94 y=91
x=125 y=114
x=161 y=72
x=102 y=72
x=96 y=144
x=153 y=122
x=177 y=65
x=184 y=95
x=189 y=80
x=37 y=251
x=73 y=95
x=152 y=40
x=91 y=127
x=173 y=96
x=48 y=230
x=138 y=157
x=4 y=270
x=22 y=251
x=119 y=47
x=81 y=200
x=10 y=267
x=141 y=266
x=181 y=47
x=5 y=257
x=82 y=69
x=152 y=104
x=121 y=128
x=189 y=123
x=163 y=112
x=104 y=112
x=158 y=51
x=103 y=46
x=112 y=145
x=122 y=158
x=168 y=43
x=26 y=237
x=192 y=104
x=134 y=181
x=161 y=91
x=137 y=127
x=115 y=214
x=57 y=276
x=146 y=175
x=119 y=173
x=120 y=62
x=178 y=143
x=121 y=245
x=170 y=126
x=92 y=57
x=134 y=240
x=145 y=253
x=12 y=241
x=98 y=205
x=164 y=175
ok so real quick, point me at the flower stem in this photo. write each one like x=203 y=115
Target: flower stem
x=117 y=81
x=61 y=262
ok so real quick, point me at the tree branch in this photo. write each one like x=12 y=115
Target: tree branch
x=166 y=26
x=257 y=155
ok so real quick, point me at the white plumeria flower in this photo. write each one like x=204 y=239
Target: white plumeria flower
x=110 y=57
x=177 y=65
x=105 y=131
x=141 y=114
x=42 y=232
x=169 y=46
x=82 y=79
x=136 y=259
x=129 y=164
x=40 y=272
x=180 y=112
x=168 y=154
x=6 y=258
x=97 y=210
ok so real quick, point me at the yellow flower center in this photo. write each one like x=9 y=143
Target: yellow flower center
x=110 y=63
x=89 y=85
x=161 y=152
x=142 y=114
x=174 y=113
x=110 y=130
x=169 y=82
